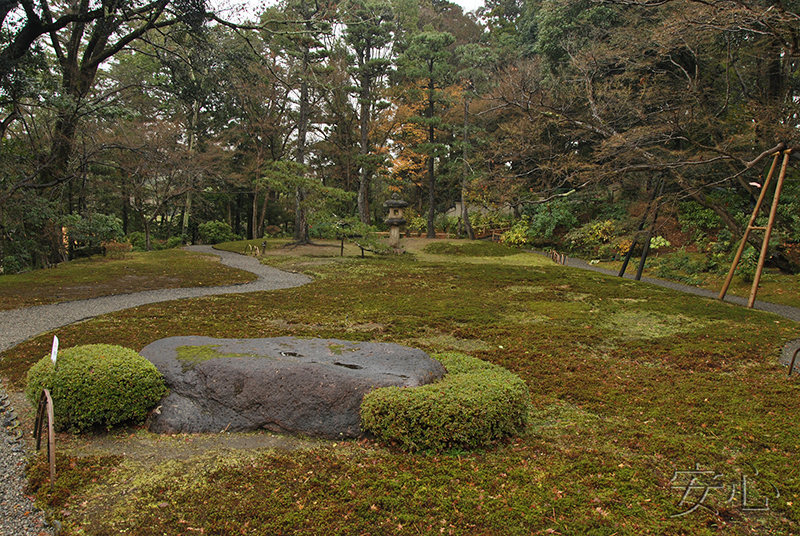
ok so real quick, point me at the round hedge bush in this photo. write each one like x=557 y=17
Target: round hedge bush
x=97 y=384
x=474 y=404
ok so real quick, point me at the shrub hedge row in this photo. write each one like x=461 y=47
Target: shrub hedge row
x=96 y=384
x=474 y=404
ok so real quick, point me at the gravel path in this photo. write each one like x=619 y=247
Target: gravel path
x=18 y=516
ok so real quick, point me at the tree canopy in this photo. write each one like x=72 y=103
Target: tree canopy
x=166 y=115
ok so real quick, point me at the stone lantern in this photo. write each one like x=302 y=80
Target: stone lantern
x=395 y=219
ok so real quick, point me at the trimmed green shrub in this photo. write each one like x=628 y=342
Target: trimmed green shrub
x=474 y=404
x=97 y=384
x=416 y=224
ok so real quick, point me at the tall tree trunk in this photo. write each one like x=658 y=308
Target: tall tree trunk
x=195 y=116
x=365 y=175
x=126 y=208
x=146 y=222
x=300 y=222
x=251 y=220
x=237 y=214
x=187 y=209
x=2 y=237
x=254 y=217
x=465 y=179
x=263 y=216
x=431 y=175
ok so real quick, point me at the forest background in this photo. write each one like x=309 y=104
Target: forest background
x=588 y=126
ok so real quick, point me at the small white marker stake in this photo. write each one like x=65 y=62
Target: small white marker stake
x=54 y=351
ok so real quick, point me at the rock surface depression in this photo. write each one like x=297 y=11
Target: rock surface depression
x=283 y=384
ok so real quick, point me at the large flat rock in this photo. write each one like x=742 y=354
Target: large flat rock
x=283 y=384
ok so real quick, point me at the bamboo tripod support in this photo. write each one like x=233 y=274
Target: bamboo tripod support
x=767 y=230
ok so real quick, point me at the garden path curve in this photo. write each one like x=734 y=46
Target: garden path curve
x=19 y=325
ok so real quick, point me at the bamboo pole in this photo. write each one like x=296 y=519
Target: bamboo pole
x=750 y=227
x=45 y=410
x=765 y=246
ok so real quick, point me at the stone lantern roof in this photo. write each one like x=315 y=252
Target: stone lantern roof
x=395 y=202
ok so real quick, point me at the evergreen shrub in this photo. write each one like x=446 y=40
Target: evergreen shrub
x=746 y=269
x=92 y=230
x=546 y=218
x=137 y=240
x=174 y=242
x=698 y=221
x=96 y=384
x=474 y=404
x=215 y=232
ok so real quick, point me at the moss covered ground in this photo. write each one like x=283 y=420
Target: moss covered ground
x=103 y=276
x=635 y=390
x=775 y=286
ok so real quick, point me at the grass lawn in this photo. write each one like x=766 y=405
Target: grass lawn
x=636 y=389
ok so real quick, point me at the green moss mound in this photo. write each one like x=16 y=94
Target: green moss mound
x=97 y=384
x=470 y=248
x=474 y=404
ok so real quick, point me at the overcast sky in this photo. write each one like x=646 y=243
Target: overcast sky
x=256 y=6
x=469 y=5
